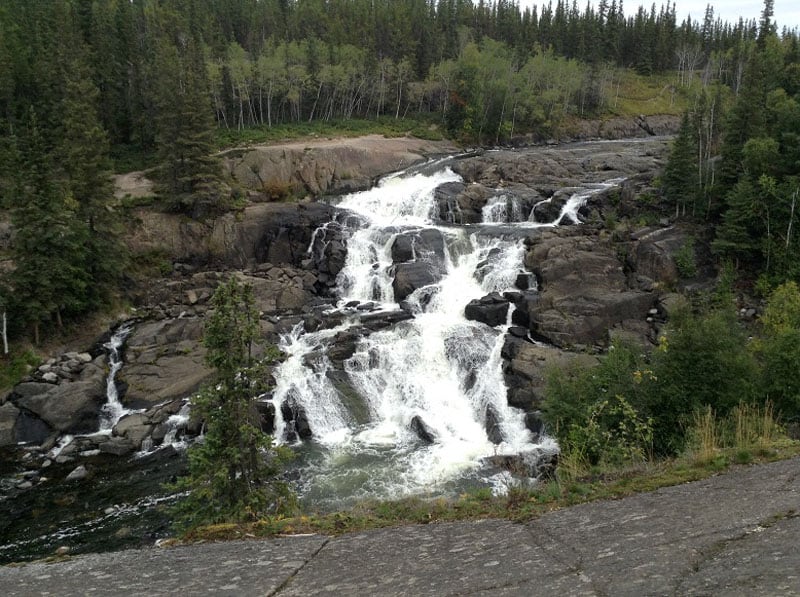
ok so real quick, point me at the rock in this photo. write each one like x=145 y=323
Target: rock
x=165 y=360
x=538 y=463
x=297 y=421
x=118 y=446
x=654 y=254
x=412 y=276
x=266 y=416
x=427 y=244
x=79 y=473
x=72 y=407
x=525 y=367
x=534 y=423
x=492 y=310
x=134 y=427
x=8 y=420
x=50 y=377
x=493 y=430
x=583 y=292
x=421 y=430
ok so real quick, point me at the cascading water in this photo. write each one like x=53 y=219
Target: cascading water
x=408 y=413
x=113 y=410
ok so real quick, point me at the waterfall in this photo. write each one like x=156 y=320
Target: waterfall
x=113 y=410
x=404 y=409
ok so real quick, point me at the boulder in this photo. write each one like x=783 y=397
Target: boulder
x=165 y=360
x=653 y=253
x=134 y=427
x=525 y=367
x=69 y=407
x=421 y=430
x=412 y=276
x=118 y=446
x=78 y=473
x=427 y=244
x=538 y=463
x=583 y=290
x=491 y=309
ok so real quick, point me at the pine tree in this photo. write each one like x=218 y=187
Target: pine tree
x=50 y=277
x=680 y=173
x=88 y=170
x=189 y=174
x=234 y=473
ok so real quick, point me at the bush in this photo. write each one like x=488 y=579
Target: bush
x=685 y=260
x=702 y=360
x=594 y=412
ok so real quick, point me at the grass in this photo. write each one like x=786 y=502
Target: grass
x=521 y=503
x=388 y=126
x=635 y=94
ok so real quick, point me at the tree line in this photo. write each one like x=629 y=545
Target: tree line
x=736 y=164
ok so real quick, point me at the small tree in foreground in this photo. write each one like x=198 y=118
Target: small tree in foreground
x=234 y=471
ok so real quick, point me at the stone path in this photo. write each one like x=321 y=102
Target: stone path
x=735 y=534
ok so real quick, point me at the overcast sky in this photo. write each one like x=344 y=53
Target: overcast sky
x=787 y=12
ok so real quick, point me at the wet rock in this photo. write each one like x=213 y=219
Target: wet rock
x=266 y=416
x=534 y=423
x=427 y=244
x=118 y=446
x=412 y=276
x=78 y=473
x=491 y=309
x=421 y=430
x=493 y=430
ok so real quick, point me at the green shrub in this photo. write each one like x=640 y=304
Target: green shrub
x=685 y=260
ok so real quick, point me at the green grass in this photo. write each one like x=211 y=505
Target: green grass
x=387 y=126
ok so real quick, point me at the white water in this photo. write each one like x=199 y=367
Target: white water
x=113 y=410
x=438 y=366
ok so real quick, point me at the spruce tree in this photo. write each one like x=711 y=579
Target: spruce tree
x=88 y=172
x=234 y=472
x=50 y=278
x=680 y=174
x=189 y=174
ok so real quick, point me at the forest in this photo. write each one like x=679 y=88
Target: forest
x=86 y=84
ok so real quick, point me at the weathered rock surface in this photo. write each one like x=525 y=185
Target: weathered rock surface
x=525 y=366
x=317 y=167
x=164 y=361
x=583 y=291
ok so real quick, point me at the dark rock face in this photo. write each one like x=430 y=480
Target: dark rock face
x=584 y=291
x=493 y=430
x=421 y=430
x=412 y=276
x=427 y=244
x=492 y=310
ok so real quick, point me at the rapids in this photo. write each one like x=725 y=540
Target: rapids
x=436 y=370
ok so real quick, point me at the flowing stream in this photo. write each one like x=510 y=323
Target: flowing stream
x=408 y=413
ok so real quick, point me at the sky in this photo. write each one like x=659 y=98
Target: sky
x=787 y=12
